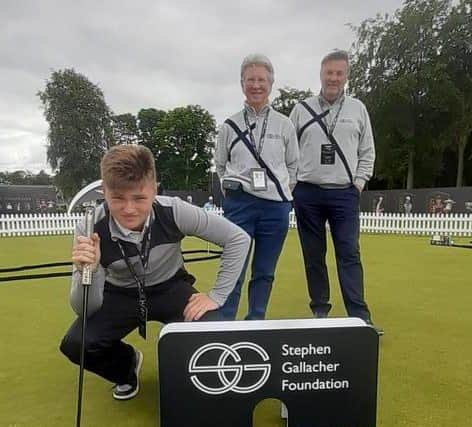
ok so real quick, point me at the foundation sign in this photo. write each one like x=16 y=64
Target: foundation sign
x=215 y=373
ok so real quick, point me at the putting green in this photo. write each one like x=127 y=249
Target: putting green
x=418 y=293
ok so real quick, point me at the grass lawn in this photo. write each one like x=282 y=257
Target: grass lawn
x=418 y=293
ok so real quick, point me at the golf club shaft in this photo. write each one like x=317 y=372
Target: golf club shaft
x=82 y=355
x=86 y=282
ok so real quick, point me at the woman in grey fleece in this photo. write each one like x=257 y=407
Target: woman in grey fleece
x=256 y=158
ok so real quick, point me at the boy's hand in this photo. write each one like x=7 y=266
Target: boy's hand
x=197 y=306
x=86 y=251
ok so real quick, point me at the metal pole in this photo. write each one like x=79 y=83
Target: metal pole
x=86 y=282
x=82 y=354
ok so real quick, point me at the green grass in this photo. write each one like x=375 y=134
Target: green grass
x=418 y=293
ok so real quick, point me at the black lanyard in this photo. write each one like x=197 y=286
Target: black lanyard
x=335 y=120
x=141 y=283
x=257 y=148
x=318 y=118
x=143 y=256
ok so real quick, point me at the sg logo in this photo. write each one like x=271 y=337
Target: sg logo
x=229 y=363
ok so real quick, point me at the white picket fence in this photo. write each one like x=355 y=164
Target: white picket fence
x=419 y=224
x=38 y=224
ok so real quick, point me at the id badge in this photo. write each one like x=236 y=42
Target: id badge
x=258 y=179
x=142 y=318
x=327 y=154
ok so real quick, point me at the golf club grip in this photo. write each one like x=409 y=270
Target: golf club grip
x=89 y=223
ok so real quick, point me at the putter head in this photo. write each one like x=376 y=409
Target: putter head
x=91 y=193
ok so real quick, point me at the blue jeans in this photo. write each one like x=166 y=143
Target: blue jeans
x=340 y=207
x=266 y=221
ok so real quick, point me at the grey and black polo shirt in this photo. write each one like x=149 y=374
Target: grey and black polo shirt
x=171 y=220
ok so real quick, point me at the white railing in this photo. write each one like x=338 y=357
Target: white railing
x=419 y=224
x=38 y=224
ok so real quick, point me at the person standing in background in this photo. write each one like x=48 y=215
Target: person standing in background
x=336 y=160
x=256 y=160
x=209 y=205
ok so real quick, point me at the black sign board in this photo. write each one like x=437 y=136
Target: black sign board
x=213 y=374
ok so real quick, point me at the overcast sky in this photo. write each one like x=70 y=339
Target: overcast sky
x=158 y=53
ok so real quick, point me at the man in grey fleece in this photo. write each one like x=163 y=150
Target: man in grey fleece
x=139 y=275
x=336 y=160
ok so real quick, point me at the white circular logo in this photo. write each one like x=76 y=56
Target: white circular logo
x=229 y=363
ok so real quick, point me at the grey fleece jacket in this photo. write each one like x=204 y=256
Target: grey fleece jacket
x=353 y=132
x=170 y=221
x=280 y=152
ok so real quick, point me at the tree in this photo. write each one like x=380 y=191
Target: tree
x=79 y=128
x=42 y=178
x=184 y=141
x=4 y=179
x=397 y=72
x=287 y=99
x=124 y=129
x=456 y=52
x=21 y=177
x=148 y=119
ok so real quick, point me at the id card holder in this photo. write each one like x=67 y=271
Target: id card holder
x=327 y=154
x=258 y=179
x=142 y=317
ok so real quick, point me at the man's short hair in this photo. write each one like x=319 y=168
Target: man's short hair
x=126 y=165
x=337 y=55
x=258 y=59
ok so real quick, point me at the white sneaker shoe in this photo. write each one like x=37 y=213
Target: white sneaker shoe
x=131 y=389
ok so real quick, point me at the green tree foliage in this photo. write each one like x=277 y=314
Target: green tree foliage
x=21 y=177
x=79 y=128
x=287 y=99
x=397 y=71
x=42 y=178
x=183 y=147
x=148 y=119
x=124 y=129
x=456 y=53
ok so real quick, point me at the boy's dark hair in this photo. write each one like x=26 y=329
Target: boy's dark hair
x=126 y=165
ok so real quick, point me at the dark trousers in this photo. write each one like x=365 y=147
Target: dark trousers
x=340 y=207
x=266 y=221
x=105 y=354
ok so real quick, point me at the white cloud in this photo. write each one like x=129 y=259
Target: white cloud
x=158 y=54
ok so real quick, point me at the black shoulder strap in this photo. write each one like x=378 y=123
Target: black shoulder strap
x=317 y=118
x=270 y=174
x=237 y=139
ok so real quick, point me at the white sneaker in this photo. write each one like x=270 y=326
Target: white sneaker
x=131 y=389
